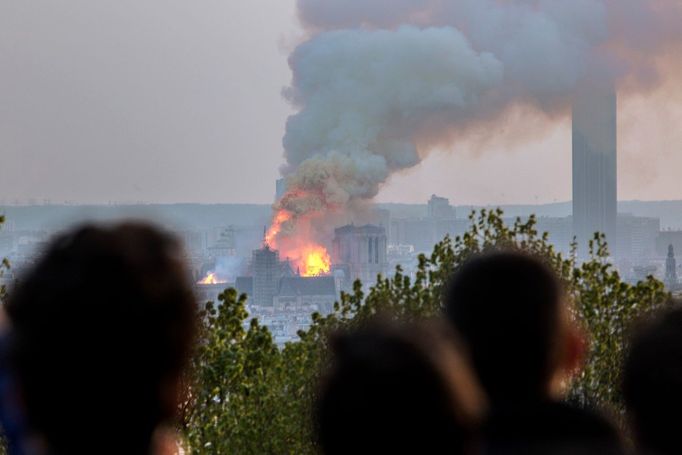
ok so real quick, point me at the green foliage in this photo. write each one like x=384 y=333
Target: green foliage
x=249 y=397
x=608 y=307
x=246 y=396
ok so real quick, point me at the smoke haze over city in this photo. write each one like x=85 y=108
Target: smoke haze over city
x=187 y=104
x=340 y=226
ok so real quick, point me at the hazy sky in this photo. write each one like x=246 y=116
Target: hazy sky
x=178 y=101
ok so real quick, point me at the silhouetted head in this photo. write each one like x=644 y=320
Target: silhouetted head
x=652 y=383
x=101 y=329
x=509 y=309
x=397 y=389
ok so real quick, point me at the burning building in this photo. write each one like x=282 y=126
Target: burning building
x=222 y=265
x=377 y=89
x=361 y=251
x=307 y=255
x=274 y=284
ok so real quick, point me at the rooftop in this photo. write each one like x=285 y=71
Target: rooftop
x=295 y=286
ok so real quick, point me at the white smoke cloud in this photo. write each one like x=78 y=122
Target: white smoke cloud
x=375 y=94
x=364 y=96
x=628 y=34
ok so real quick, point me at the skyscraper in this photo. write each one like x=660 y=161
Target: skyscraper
x=439 y=208
x=595 y=166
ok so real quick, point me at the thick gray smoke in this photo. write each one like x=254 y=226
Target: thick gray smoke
x=380 y=82
x=366 y=95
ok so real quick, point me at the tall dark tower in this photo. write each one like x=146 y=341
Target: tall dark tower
x=266 y=275
x=595 y=166
x=671 y=270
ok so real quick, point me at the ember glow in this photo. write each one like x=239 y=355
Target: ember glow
x=281 y=217
x=211 y=278
x=308 y=257
x=317 y=261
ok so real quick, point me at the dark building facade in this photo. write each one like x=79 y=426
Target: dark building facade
x=266 y=275
x=296 y=291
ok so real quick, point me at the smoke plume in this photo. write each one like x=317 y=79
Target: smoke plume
x=378 y=83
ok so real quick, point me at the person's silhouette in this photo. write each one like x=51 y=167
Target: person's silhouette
x=100 y=330
x=510 y=311
x=400 y=390
x=652 y=384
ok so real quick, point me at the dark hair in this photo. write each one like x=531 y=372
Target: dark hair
x=506 y=307
x=652 y=382
x=397 y=389
x=101 y=329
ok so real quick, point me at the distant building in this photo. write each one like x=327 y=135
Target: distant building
x=319 y=292
x=362 y=249
x=224 y=246
x=412 y=231
x=667 y=238
x=671 y=280
x=439 y=208
x=266 y=269
x=594 y=166
x=424 y=232
x=636 y=239
x=273 y=282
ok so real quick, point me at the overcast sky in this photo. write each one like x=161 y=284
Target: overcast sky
x=179 y=101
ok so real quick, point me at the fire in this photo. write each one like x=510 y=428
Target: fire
x=316 y=261
x=310 y=258
x=211 y=278
x=280 y=218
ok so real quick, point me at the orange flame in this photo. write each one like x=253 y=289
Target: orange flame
x=211 y=278
x=310 y=258
x=280 y=218
x=316 y=261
